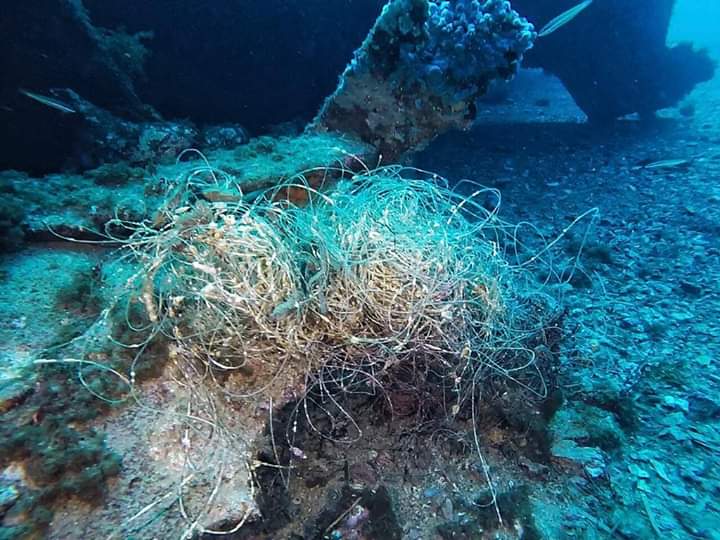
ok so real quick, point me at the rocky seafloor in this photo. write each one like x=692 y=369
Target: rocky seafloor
x=645 y=312
x=627 y=449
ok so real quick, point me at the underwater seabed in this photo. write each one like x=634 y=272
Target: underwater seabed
x=375 y=442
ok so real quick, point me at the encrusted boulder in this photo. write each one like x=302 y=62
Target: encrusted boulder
x=421 y=69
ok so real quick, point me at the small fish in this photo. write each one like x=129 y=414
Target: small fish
x=662 y=164
x=564 y=18
x=48 y=101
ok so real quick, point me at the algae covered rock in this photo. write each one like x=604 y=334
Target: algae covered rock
x=421 y=69
x=12 y=212
x=116 y=174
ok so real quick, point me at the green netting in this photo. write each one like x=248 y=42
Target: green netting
x=389 y=265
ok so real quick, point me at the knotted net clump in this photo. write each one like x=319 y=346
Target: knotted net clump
x=388 y=267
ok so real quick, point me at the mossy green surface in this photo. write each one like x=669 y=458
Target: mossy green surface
x=61 y=457
x=116 y=174
x=82 y=299
x=47 y=428
x=284 y=157
x=72 y=203
x=12 y=214
x=81 y=205
x=267 y=161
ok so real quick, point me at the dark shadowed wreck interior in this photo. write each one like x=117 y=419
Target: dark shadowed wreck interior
x=132 y=61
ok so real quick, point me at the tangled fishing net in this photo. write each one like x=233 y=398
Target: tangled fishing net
x=387 y=268
x=264 y=302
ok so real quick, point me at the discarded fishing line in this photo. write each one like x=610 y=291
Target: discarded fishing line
x=383 y=269
x=263 y=301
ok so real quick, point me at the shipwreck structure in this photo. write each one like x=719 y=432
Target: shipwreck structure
x=614 y=59
x=150 y=70
x=422 y=68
